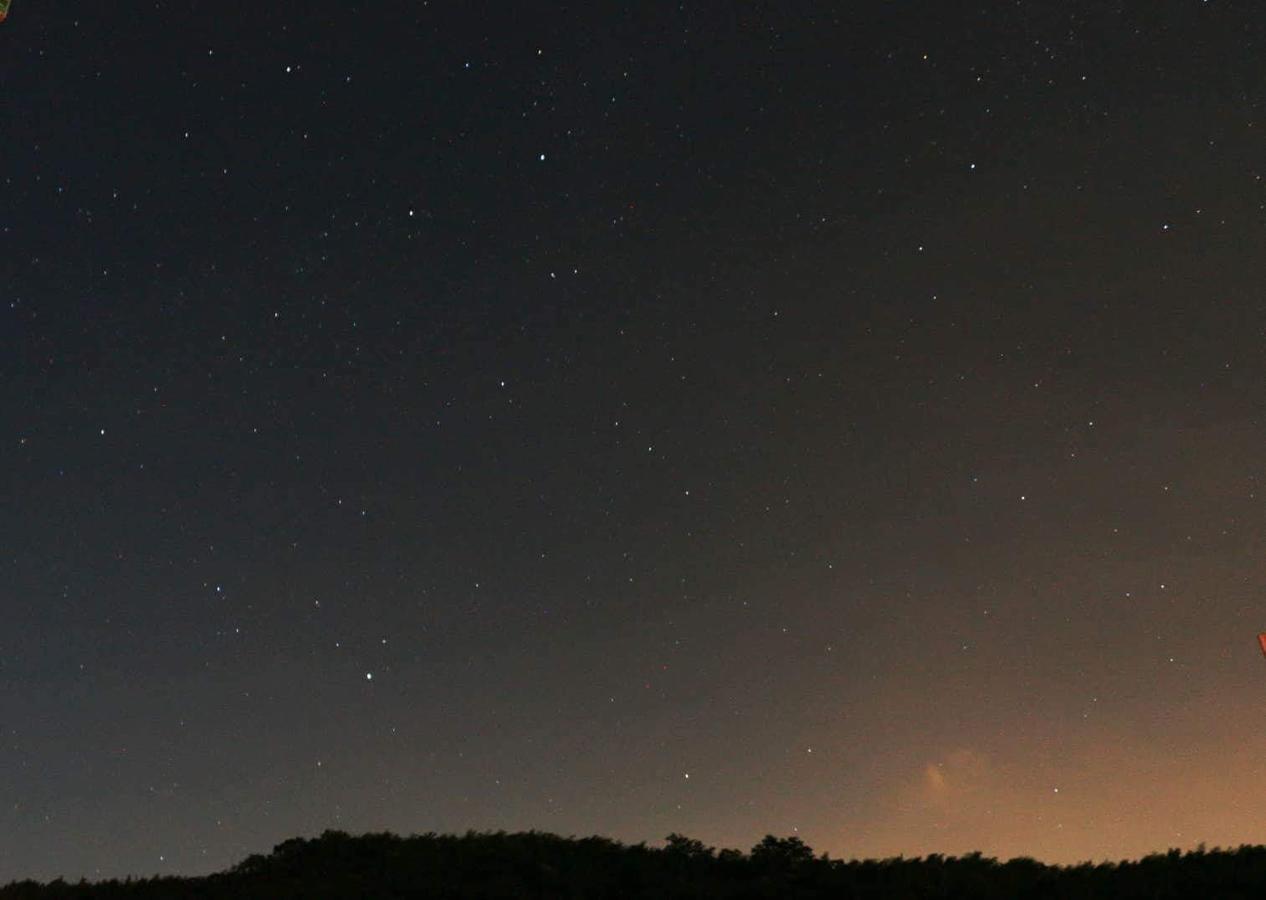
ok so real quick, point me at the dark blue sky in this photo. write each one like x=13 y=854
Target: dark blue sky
x=840 y=420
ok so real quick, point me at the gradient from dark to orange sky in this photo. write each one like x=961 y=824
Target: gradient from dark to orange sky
x=831 y=420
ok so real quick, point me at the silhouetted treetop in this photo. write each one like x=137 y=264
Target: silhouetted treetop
x=533 y=864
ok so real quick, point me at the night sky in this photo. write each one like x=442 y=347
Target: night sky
x=841 y=419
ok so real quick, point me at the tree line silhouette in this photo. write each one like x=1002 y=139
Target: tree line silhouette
x=534 y=864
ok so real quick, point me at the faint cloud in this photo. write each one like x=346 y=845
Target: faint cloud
x=947 y=803
x=961 y=773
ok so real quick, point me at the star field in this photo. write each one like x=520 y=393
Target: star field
x=841 y=422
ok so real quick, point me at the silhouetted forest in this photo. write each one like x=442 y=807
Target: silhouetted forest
x=538 y=865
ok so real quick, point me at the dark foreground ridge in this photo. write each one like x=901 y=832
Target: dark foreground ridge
x=539 y=865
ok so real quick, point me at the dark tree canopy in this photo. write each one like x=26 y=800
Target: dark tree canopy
x=539 y=865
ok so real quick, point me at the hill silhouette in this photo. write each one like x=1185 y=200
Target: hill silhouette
x=540 y=865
